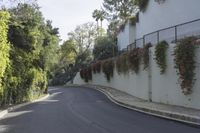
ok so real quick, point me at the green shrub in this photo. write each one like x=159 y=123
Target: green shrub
x=37 y=83
x=4 y=47
x=10 y=83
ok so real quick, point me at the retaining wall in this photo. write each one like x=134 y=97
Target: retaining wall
x=149 y=84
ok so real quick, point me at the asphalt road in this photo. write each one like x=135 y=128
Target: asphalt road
x=80 y=110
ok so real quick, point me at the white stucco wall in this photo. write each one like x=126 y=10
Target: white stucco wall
x=132 y=34
x=126 y=37
x=160 y=16
x=170 y=13
x=165 y=88
x=134 y=84
x=123 y=38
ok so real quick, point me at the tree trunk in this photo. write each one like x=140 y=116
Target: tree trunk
x=97 y=28
x=101 y=27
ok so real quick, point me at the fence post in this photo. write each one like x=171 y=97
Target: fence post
x=143 y=41
x=131 y=46
x=150 y=77
x=135 y=44
x=175 y=34
x=158 y=37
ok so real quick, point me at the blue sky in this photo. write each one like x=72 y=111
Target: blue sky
x=67 y=14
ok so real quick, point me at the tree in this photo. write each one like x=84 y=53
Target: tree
x=83 y=36
x=4 y=47
x=120 y=8
x=49 y=55
x=14 y=3
x=68 y=53
x=33 y=52
x=102 y=16
x=27 y=74
x=96 y=16
x=104 y=48
x=75 y=53
x=63 y=72
x=99 y=15
x=118 y=12
x=113 y=29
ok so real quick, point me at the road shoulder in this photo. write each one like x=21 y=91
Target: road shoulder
x=7 y=110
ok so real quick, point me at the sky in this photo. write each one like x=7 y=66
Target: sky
x=67 y=14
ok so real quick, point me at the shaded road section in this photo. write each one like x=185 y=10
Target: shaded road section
x=82 y=110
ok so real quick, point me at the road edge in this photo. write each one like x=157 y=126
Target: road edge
x=6 y=111
x=158 y=113
x=148 y=111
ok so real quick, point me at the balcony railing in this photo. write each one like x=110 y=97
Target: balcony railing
x=170 y=34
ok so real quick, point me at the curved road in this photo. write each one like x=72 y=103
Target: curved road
x=81 y=110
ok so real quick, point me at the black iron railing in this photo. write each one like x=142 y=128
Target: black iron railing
x=171 y=34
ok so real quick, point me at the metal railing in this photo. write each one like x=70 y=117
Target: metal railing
x=171 y=34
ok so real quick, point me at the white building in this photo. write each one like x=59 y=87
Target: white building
x=126 y=36
x=162 y=15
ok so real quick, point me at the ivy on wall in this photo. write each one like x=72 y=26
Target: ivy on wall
x=86 y=74
x=108 y=68
x=160 y=55
x=122 y=64
x=185 y=63
x=134 y=58
x=96 y=67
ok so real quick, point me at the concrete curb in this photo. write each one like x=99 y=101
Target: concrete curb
x=6 y=111
x=183 y=118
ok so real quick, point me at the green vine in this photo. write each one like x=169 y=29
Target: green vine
x=122 y=64
x=108 y=68
x=86 y=74
x=134 y=57
x=96 y=67
x=82 y=73
x=160 y=55
x=185 y=63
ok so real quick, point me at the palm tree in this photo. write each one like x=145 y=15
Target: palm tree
x=99 y=15
x=95 y=15
x=102 y=16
